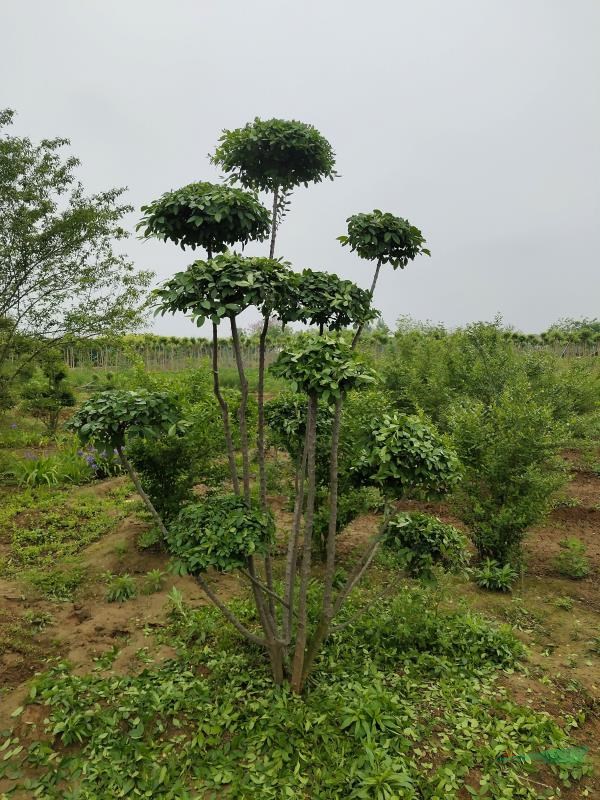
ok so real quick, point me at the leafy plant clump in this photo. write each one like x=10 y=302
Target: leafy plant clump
x=422 y=542
x=573 y=561
x=120 y=588
x=405 y=455
x=494 y=576
x=220 y=532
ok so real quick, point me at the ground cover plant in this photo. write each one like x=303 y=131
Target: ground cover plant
x=390 y=716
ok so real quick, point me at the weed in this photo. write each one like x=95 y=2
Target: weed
x=153 y=581
x=120 y=549
x=594 y=645
x=59 y=583
x=38 y=620
x=120 y=588
x=572 y=561
x=565 y=603
x=495 y=577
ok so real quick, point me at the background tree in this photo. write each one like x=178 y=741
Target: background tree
x=46 y=399
x=60 y=276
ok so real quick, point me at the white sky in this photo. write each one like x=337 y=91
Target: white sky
x=478 y=120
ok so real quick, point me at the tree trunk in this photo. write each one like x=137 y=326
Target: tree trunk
x=274 y=222
x=292 y=551
x=327 y=613
x=359 y=330
x=302 y=630
x=243 y=405
x=136 y=482
x=224 y=413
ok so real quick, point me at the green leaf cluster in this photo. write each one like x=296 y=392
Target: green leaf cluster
x=331 y=302
x=405 y=455
x=383 y=237
x=321 y=366
x=220 y=532
x=423 y=541
x=275 y=153
x=108 y=416
x=206 y=215
x=226 y=285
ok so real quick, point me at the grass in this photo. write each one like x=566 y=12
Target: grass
x=42 y=526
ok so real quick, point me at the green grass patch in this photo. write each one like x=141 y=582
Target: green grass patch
x=42 y=526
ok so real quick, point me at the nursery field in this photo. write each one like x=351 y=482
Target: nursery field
x=120 y=679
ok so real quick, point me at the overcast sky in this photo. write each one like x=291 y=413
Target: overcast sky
x=478 y=120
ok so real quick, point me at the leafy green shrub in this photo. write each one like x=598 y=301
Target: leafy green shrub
x=572 y=561
x=165 y=465
x=219 y=532
x=120 y=588
x=46 y=399
x=512 y=470
x=423 y=541
x=494 y=576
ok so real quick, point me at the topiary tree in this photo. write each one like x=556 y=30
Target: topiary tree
x=274 y=156
x=46 y=400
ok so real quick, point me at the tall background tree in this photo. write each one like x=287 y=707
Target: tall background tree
x=60 y=275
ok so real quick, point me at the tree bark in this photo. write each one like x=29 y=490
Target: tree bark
x=292 y=551
x=302 y=629
x=224 y=413
x=274 y=222
x=243 y=404
x=327 y=612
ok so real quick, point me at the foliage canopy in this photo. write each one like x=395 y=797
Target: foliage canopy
x=206 y=215
x=385 y=238
x=109 y=416
x=275 y=154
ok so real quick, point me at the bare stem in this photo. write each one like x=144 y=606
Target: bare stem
x=136 y=482
x=243 y=404
x=302 y=630
x=224 y=413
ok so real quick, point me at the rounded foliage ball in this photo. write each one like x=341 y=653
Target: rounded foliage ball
x=331 y=302
x=220 y=532
x=206 y=215
x=383 y=237
x=275 y=153
x=108 y=416
x=321 y=366
x=405 y=455
x=226 y=285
